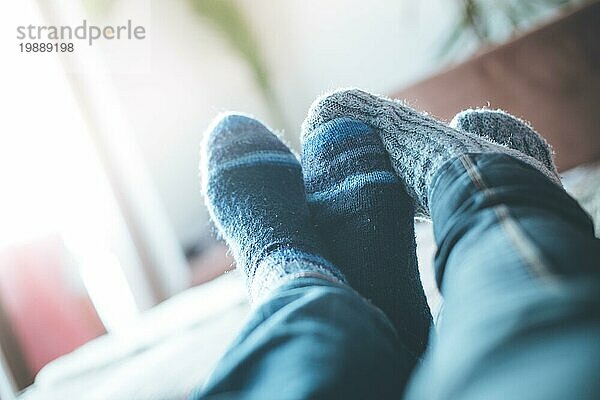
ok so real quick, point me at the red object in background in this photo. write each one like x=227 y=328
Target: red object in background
x=48 y=308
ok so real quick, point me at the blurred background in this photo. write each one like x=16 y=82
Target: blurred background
x=104 y=235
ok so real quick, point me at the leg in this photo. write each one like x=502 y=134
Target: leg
x=518 y=267
x=517 y=260
x=313 y=339
x=366 y=221
x=311 y=335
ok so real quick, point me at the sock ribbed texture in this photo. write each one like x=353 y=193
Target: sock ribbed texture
x=417 y=144
x=253 y=188
x=507 y=130
x=366 y=221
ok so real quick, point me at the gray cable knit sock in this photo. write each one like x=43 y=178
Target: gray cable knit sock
x=507 y=130
x=418 y=144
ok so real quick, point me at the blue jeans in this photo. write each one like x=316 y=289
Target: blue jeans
x=519 y=269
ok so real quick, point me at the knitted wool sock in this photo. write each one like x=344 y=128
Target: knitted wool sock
x=254 y=192
x=507 y=130
x=366 y=221
x=417 y=144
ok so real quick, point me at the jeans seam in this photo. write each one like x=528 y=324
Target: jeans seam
x=526 y=250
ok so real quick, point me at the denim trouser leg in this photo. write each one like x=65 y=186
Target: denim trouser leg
x=312 y=339
x=519 y=269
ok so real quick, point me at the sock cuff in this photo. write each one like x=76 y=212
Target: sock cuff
x=283 y=265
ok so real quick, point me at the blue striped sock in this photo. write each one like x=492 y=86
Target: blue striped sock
x=254 y=192
x=365 y=219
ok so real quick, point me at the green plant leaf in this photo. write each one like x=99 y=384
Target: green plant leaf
x=229 y=20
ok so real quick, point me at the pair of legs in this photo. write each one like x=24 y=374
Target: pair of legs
x=516 y=259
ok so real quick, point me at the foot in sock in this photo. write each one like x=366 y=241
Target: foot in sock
x=253 y=188
x=418 y=145
x=365 y=219
x=507 y=130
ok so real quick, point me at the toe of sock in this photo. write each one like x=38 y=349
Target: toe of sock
x=231 y=135
x=472 y=120
x=462 y=120
x=487 y=122
x=507 y=130
x=340 y=150
x=234 y=140
x=501 y=127
x=329 y=106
